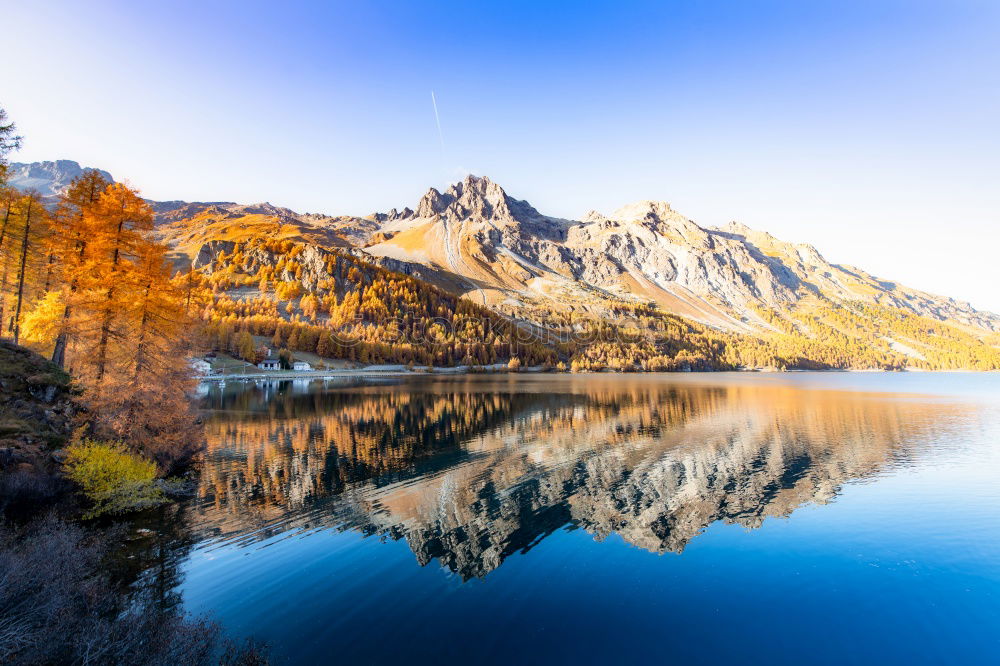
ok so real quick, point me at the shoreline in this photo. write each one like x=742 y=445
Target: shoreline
x=464 y=370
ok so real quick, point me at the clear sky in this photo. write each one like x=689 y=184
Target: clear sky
x=870 y=129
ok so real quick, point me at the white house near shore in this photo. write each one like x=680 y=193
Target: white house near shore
x=200 y=366
x=301 y=365
x=269 y=363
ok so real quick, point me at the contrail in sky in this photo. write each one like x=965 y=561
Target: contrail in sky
x=437 y=119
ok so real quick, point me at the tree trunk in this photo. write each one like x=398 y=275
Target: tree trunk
x=48 y=272
x=59 y=351
x=3 y=283
x=3 y=298
x=190 y=291
x=62 y=340
x=140 y=348
x=3 y=229
x=20 y=279
x=102 y=345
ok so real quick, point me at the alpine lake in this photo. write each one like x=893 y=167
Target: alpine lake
x=718 y=518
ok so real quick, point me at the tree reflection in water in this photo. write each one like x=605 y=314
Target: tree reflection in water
x=469 y=470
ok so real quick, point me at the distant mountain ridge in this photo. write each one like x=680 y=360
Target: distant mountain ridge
x=643 y=251
x=475 y=239
x=50 y=179
x=187 y=225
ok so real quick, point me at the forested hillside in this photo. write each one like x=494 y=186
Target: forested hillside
x=306 y=298
x=87 y=277
x=84 y=283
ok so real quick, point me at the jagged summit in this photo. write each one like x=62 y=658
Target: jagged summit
x=50 y=179
x=507 y=251
x=646 y=209
x=476 y=239
x=472 y=197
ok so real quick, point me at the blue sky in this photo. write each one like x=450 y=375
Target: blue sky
x=869 y=129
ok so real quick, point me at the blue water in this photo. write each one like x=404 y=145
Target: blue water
x=738 y=519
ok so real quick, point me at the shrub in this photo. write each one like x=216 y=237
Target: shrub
x=58 y=605
x=23 y=491
x=155 y=419
x=115 y=480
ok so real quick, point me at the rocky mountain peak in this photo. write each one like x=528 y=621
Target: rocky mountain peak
x=802 y=252
x=392 y=215
x=660 y=218
x=263 y=208
x=738 y=228
x=480 y=197
x=432 y=203
x=478 y=186
x=474 y=197
x=593 y=216
x=50 y=178
x=656 y=211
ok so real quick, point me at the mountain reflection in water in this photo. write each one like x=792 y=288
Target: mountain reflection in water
x=469 y=470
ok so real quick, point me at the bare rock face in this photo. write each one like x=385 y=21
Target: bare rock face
x=649 y=239
x=646 y=250
x=50 y=179
x=208 y=253
x=482 y=201
x=474 y=237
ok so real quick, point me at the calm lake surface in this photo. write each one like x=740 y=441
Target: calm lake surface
x=799 y=518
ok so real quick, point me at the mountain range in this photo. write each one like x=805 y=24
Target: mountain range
x=50 y=179
x=475 y=240
x=507 y=251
